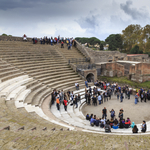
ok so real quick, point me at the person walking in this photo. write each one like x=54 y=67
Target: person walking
x=121 y=97
x=86 y=84
x=79 y=98
x=65 y=104
x=120 y=115
x=118 y=93
x=86 y=97
x=94 y=100
x=142 y=96
x=112 y=113
x=72 y=96
x=57 y=103
x=105 y=96
x=89 y=99
x=99 y=98
x=76 y=101
x=136 y=98
x=104 y=113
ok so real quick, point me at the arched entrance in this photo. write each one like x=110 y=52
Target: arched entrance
x=90 y=77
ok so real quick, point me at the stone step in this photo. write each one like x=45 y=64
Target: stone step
x=12 y=71
x=6 y=91
x=30 y=97
x=39 y=64
x=7 y=69
x=61 y=81
x=72 y=88
x=70 y=83
x=11 y=76
x=54 y=78
x=26 y=61
x=16 y=92
x=43 y=70
x=51 y=73
x=45 y=66
x=4 y=66
x=5 y=84
x=37 y=99
x=21 y=97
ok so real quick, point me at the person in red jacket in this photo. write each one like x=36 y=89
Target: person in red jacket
x=104 y=85
x=65 y=104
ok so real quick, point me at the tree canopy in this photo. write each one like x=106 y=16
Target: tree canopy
x=136 y=35
x=91 y=41
x=136 y=50
x=114 y=41
x=134 y=39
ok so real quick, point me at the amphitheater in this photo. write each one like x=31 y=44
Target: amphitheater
x=29 y=73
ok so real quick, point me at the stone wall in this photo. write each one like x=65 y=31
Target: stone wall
x=86 y=72
x=13 y=38
x=113 y=69
x=100 y=56
x=140 y=72
x=141 y=68
x=138 y=57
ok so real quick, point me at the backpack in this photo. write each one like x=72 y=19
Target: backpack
x=107 y=129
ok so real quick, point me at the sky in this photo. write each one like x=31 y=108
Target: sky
x=71 y=18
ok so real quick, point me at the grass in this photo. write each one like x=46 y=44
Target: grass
x=126 y=81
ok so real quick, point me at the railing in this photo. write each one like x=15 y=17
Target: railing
x=86 y=67
x=81 y=68
x=78 y=61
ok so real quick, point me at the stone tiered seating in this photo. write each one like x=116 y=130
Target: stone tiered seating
x=68 y=54
x=13 y=72
x=41 y=69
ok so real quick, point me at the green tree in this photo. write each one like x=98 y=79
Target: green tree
x=91 y=41
x=136 y=50
x=131 y=36
x=114 y=41
x=4 y=34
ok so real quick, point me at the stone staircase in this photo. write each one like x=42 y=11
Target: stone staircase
x=71 y=53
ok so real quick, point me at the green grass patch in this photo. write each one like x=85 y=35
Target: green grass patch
x=126 y=81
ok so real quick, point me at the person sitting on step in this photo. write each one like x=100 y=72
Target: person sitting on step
x=107 y=127
x=135 y=129
x=87 y=117
x=92 y=121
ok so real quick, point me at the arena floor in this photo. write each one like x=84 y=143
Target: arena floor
x=137 y=113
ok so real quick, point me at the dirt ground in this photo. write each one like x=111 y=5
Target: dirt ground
x=136 y=112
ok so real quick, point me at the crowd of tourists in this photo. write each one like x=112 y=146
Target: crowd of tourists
x=52 y=41
x=121 y=92
x=62 y=98
x=103 y=92
x=114 y=122
x=96 y=94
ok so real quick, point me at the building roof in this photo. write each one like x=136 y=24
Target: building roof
x=135 y=54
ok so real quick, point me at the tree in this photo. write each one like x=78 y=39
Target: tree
x=131 y=36
x=91 y=41
x=135 y=50
x=101 y=47
x=4 y=34
x=144 y=38
x=114 y=41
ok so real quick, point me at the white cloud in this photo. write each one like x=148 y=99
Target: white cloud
x=71 y=18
